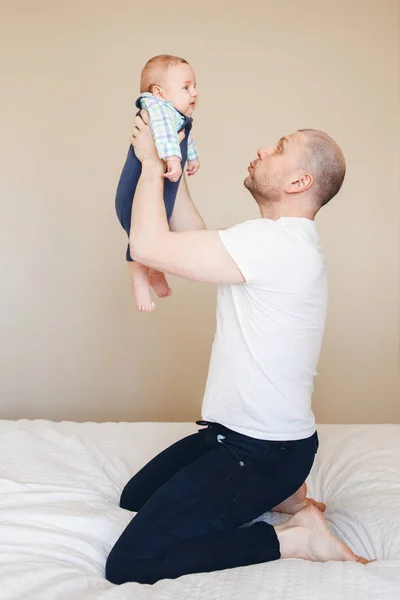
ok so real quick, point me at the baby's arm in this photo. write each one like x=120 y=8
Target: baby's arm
x=163 y=128
x=193 y=157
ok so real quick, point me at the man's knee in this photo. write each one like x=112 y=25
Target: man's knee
x=121 y=568
x=129 y=501
x=114 y=572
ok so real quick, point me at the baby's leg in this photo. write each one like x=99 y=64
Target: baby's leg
x=141 y=286
x=159 y=283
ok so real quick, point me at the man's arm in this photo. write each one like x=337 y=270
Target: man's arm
x=196 y=255
x=185 y=216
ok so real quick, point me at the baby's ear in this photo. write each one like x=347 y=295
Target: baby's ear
x=157 y=91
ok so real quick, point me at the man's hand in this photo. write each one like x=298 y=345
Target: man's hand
x=143 y=142
x=174 y=169
x=193 y=167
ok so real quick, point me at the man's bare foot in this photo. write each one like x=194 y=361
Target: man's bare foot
x=141 y=287
x=319 y=505
x=159 y=284
x=297 y=501
x=307 y=536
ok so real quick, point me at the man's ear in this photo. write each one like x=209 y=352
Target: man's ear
x=299 y=183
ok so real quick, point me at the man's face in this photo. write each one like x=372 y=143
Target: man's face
x=271 y=172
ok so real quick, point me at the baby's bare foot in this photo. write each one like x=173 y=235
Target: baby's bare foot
x=298 y=501
x=307 y=536
x=159 y=284
x=142 y=296
x=141 y=287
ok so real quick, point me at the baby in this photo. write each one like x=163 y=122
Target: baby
x=168 y=93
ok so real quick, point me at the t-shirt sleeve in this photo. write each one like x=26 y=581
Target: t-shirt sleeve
x=254 y=247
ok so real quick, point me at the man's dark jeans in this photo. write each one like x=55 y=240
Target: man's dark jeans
x=193 y=500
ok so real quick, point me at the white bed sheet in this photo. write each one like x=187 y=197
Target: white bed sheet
x=59 y=515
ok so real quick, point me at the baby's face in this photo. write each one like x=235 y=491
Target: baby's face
x=179 y=88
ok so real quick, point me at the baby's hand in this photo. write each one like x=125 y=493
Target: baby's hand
x=193 y=167
x=174 y=169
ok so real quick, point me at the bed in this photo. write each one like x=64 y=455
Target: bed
x=59 y=515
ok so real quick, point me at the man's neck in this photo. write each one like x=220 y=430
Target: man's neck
x=277 y=210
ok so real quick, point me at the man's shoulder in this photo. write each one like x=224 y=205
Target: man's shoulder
x=251 y=225
x=267 y=230
x=282 y=239
x=266 y=250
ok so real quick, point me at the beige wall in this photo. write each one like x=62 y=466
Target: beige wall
x=72 y=344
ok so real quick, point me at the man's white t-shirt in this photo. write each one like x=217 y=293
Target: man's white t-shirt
x=269 y=331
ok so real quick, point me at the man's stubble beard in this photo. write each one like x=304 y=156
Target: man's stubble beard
x=263 y=195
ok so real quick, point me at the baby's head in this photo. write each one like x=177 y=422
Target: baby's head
x=173 y=79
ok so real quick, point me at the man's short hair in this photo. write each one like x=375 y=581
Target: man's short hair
x=325 y=162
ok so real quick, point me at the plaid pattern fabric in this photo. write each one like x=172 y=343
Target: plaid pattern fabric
x=165 y=121
x=192 y=150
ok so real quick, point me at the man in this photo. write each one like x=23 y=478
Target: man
x=196 y=501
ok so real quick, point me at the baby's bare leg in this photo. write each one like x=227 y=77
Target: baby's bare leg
x=141 y=286
x=159 y=283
